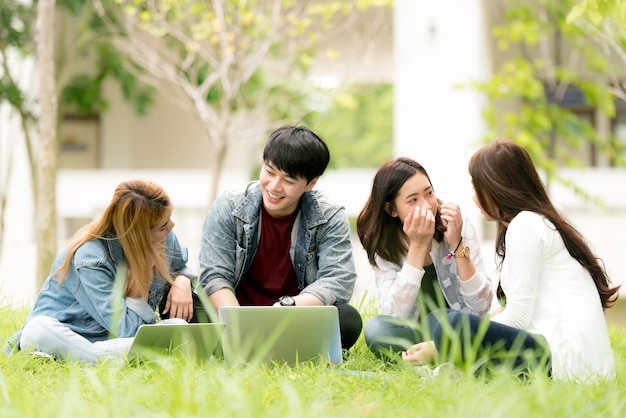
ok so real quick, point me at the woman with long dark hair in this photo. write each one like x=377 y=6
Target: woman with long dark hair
x=555 y=288
x=424 y=255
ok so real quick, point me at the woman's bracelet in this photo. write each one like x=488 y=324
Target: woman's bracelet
x=451 y=254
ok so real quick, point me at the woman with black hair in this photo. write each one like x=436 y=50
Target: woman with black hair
x=555 y=288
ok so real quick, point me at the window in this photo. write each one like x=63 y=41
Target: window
x=573 y=141
x=610 y=150
x=78 y=142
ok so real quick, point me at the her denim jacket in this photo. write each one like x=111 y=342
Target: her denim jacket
x=87 y=302
x=320 y=250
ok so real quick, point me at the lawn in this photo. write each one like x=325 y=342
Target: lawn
x=362 y=387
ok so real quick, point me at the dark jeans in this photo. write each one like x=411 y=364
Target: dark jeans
x=350 y=322
x=199 y=312
x=470 y=340
x=387 y=336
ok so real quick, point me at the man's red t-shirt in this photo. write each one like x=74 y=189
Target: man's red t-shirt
x=271 y=274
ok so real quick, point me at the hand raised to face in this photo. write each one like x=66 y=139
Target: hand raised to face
x=419 y=225
x=451 y=214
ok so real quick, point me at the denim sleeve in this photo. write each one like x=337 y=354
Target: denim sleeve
x=218 y=248
x=101 y=298
x=178 y=257
x=336 y=274
x=13 y=344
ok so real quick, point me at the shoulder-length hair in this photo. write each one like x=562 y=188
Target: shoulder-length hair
x=506 y=182
x=379 y=232
x=136 y=207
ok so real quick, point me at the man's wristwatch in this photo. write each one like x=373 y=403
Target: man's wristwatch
x=287 y=301
x=463 y=252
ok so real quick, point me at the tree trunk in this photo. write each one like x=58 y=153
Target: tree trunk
x=216 y=169
x=46 y=178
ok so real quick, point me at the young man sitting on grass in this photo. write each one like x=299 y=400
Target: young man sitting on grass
x=279 y=242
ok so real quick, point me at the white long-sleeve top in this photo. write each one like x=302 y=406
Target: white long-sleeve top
x=398 y=286
x=549 y=293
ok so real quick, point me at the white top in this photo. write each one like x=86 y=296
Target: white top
x=549 y=293
x=398 y=286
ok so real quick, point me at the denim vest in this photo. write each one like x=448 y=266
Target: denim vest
x=321 y=251
x=90 y=302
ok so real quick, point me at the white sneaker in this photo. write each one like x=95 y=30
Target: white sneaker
x=447 y=369
x=42 y=354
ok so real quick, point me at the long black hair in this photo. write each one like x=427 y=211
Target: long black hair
x=506 y=183
x=379 y=232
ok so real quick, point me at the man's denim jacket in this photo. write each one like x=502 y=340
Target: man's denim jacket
x=90 y=301
x=320 y=250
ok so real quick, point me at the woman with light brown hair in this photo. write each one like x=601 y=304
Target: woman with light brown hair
x=110 y=278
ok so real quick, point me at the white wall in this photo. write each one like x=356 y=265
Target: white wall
x=165 y=138
x=437 y=46
x=17 y=260
x=604 y=225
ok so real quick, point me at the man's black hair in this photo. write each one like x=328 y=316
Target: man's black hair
x=298 y=151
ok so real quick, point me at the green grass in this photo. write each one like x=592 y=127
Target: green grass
x=362 y=387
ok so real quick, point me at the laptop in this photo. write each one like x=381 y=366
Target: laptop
x=275 y=335
x=193 y=341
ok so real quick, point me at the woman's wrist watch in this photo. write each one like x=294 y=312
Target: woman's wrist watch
x=463 y=252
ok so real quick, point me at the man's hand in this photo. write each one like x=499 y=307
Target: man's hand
x=304 y=299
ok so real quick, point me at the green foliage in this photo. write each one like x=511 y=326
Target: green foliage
x=15 y=36
x=239 y=55
x=611 y=12
x=73 y=6
x=111 y=64
x=236 y=64
x=364 y=386
x=229 y=69
x=11 y=93
x=357 y=125
x=84 y=93
x=16 y=20
x=605 y=22
x=526 y=94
